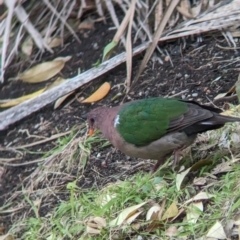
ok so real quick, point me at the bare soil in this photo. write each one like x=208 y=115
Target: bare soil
x=200 y=71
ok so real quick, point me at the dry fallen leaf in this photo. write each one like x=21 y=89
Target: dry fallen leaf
x=87 y=24
x=133 y=217
x=93 y=231
x=125 y=214
x=27 y=46
x=61 y=100
x=199 y=164
x=95 y=224
x=171 y=231
x=222 y=167
x=194 y=211
x=180 y=177
x=217 y=231
x=184 y=9
x=54 y=42
x=43 y=71
x=16 y=101
x=99 y=94
x=200 y=196
x=199 y=181
x=195 y=11
x=57 y=82
x=7 y=237
x=171 y=212
x=152 y=213
x=100 y=221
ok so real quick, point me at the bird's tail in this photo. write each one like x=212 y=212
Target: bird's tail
x=220 y=120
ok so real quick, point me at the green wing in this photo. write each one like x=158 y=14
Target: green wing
x=144 y=121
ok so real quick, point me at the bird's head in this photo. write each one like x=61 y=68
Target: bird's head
x=94 y=119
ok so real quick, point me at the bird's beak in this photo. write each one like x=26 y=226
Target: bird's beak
x=90 y=132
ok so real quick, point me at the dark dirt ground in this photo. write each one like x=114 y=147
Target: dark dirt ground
x=201 y=71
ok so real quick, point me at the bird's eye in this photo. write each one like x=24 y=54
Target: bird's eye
x=92 y=120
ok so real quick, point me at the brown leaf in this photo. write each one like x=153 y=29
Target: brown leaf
x=154 y=225
x=222 y=167
x=171 y=231
x=58 y=103
x=27 y=46
x=199 y=181
x=43 y=71
x=152 y=213
x=171 y=212
x=54 y=42
x=95 y=224
x=125 y=214
x=99 y=94
x=86 y=24
x=16 y=101
x=200 y=196
x=93 y=231
x=7 y=237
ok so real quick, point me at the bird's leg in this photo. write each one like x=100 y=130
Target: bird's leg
x=160 y=162
x=157 y=165
x=176 y=156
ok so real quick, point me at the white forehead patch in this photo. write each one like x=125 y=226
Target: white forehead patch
x=116 y=120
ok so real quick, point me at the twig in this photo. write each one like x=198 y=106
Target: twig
x=10 y=5
x=22 y=164
x=41 y=141
x=227 y=48
x=177 y=94
x=225 y=99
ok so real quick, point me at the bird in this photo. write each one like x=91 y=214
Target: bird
x=155 y=128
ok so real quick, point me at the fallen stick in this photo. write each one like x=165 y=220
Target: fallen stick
x=24 y=109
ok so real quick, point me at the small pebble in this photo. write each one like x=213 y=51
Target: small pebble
x=104 y=164
x=179 y=75
x=140 y=94
x=183 y=96
x=167 y=58
x=194 y=94
x=146 y=93
x=95 y=46
x=186 y=76
x=98 y=155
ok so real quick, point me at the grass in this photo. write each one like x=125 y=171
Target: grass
x=69 y=220
x=140 y=205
